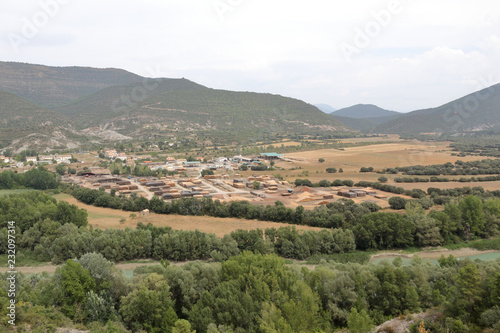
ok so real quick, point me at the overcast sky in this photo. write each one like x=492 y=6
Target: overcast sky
x=400 y=55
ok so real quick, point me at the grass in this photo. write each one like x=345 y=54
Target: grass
x=360 y=257
x=481 y=245
x=15 y=191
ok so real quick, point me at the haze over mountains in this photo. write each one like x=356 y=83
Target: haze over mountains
x=476 y=112
x=90 y=104
x=325 y=108
x=57 y=107
x=361 y=111
x=479 y=111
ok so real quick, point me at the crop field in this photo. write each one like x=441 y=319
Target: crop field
x=104 y=218
x=379 y=156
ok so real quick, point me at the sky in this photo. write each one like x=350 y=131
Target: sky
x=401 y=55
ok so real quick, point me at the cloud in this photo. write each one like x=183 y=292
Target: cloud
x=431 y=52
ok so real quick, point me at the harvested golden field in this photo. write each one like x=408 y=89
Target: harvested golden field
x=104 y=218
x=379 y=156
x=280 y=144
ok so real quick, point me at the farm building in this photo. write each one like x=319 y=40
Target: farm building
x=271 y=156
x=191 y=164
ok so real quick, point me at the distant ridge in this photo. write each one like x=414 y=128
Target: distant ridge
x=325 y=108
x=360 y=111
x=55 y=86
x=479 y=111
x=79 y=104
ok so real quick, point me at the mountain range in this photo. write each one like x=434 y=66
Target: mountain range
x=476 y=112
x=362 y=111
x=44 y=107
x=473 y=113
x=81 y=104
x=325 y=108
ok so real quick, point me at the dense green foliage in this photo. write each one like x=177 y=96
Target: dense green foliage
x=459 y=168
x=258 y=293
x=37 y=178
x=487 y=144
x=459 y=222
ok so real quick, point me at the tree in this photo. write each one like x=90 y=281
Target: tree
x=272 y=321
x=397 y=202
x=147 y=307
x=76 y=282
x=468 y=293
x=331 y=170
x=383 y=179
x=359 y=322
x=383 y=230
x=182 y=326
x=256 y=185
x=473 y=218
x=341 y=170
x=99 y=269
x=40 y=178
x=321 y=160
x=61 y=169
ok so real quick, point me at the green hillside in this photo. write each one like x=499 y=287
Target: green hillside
x=16 y=112
x=181 y=106
x=55 y=86
x=365 y=125
x=29 y=125
x=473 y=113
x=113 y=104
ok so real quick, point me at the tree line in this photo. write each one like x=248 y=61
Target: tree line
x=56 y=231
x=258 y=293
x=371 y=229
x=37 y=178
x=473 y=168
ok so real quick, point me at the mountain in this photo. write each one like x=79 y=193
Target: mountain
x=54 y=86
x=179 y=106
x=325 y=108
x=361 y=111
x=79 y=104
x=365 y=125
x=475 y=112
x=26 y=125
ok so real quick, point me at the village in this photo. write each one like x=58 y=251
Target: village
x=221 y=179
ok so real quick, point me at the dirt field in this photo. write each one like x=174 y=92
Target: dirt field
x=378 y=156
x=110 y=218
x=52 y=268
